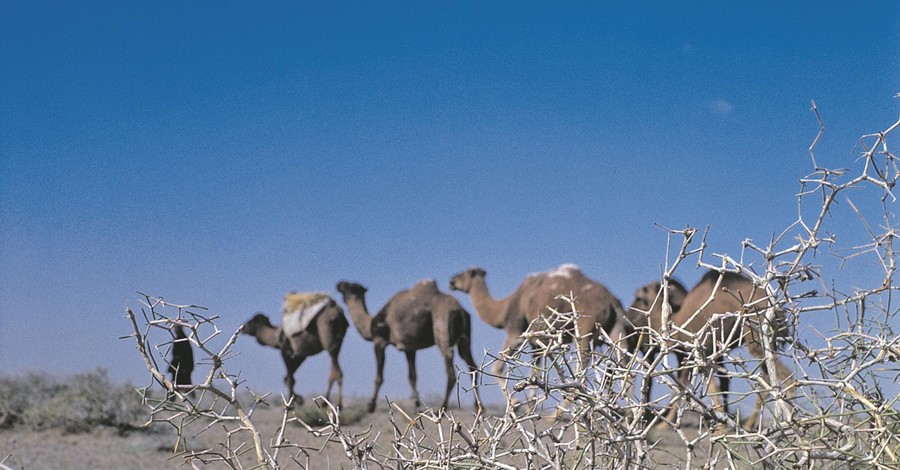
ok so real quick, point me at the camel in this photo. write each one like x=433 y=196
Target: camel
x=599 y=310
x=646 y=312
x=325 y=332
x=411 y=320
x=182 y=364
x=693 y=314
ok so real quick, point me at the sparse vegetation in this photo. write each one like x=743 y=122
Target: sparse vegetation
x=833 y=412
x=314 y=414
x=74 y=404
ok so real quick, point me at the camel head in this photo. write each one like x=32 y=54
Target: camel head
x=351 y=288
x=258 y=321
x=463 y=281
x=645 y=297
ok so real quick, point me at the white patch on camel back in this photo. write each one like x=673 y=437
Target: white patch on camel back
x=565 y=271
x=427 y=283
x=300 y=309
x=586 y=287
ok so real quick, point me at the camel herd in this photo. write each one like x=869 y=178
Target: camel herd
x=717 y=310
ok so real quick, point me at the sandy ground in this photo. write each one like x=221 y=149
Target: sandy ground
x=105 y=448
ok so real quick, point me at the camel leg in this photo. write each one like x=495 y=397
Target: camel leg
x=445 y=335
x=619 y=348
x=647 y=385
x=537 y=365
x=465 y=352
x=497 y=371
x=584 y=348
x=684 y=374
x=292 y=363
x=620 y=339
x=718 y=392
x=584 y=352
x=451 y=375
x=379 y=373
x=782 y=374
x=293 y=345
x=724 y=383
x=513 y=341
x=411 y=374
x=333 y=346
x=714 y=390
x=336 y=375
x=751 y=420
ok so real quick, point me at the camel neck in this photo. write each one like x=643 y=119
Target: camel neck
x=269 y=336
x=491 y=311
x=362 y=321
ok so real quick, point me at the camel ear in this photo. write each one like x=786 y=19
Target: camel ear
x=477 y=272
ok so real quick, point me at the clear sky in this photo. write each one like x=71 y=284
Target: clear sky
x=225 y=153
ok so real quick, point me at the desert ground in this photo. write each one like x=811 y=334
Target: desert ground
x=160 y=447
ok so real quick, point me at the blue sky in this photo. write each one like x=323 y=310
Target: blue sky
x=224 y=154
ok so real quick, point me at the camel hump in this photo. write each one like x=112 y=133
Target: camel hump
x=712 y=276
x=429 y=284
x=567 y=270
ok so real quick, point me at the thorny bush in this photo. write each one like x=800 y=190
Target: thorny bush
x=838 y=410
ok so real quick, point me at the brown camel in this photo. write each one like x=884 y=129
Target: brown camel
x=411 y=320
x=716 y=294
x=599 y=310
x=646 y=312
x=182 y=364
x=324 y=333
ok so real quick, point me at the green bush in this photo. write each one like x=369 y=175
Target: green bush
x=78 y=403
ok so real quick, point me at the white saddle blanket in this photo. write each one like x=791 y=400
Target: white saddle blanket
x=296 y=320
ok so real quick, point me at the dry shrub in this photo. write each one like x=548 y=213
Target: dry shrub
x=316 y=414
x=839 y=410
x=78 y=403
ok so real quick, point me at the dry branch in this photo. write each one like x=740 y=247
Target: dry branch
x=839 y=410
